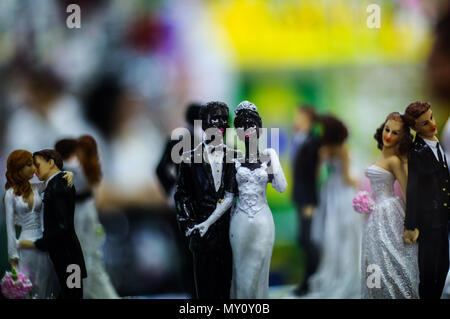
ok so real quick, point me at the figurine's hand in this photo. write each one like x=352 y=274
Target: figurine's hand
x=189 y=231
x=69 y=178
x=308 y=211
x=410 y=236
x=14 y=262
x=201 y=228
x=27 y=244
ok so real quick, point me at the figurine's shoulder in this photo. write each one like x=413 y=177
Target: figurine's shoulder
x=188 y=157
x=58 y=184
x=418 y=148
x=9 y=194
x=420 y=158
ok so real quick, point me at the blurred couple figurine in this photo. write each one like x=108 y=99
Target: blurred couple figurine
x=402 y=268
x=80 y=156
x=57 y=240
x=330 y=232
x=231 y=245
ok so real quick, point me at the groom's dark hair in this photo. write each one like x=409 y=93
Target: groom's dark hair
x=414 y=111
x=206 y=108
x=50 y=154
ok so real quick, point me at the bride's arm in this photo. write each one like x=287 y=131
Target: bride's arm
x=344 y=155
x=221 y=208
x=10 y=228
x=278 y=181
x=68 y=176
x=400 y=173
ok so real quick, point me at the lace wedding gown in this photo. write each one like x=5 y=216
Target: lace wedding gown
x=338 y=275
x=91 y=235
x=383 y=244
x=252 y=230
x=34 y=263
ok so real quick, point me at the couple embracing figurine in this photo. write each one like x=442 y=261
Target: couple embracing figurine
x=58 y=238
x=414 y=265
x=231 y=244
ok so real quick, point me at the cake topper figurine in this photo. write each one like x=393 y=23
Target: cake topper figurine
x=252 y=230
x=204 y=177
x=59 y=238
x=427 y=200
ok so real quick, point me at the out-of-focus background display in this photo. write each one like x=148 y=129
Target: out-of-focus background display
x=127 y=75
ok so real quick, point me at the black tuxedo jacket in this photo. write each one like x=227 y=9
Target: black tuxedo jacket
x=196 y=199
x=427 y=195
x=167 y=170
x=59 y=238
x=306 y=172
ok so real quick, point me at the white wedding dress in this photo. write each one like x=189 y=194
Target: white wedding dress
x=252 y=230
x=338 y=230
x=34 y=263
x=383 y=244
x=91 y=235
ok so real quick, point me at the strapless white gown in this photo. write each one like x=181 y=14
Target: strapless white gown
x=383 y=243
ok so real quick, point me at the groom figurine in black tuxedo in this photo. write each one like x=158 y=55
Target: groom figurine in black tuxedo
x=59 y=238
x=305 y=159
x=204 y=177
x=427 y=200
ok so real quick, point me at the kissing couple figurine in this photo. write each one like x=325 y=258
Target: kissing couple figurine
x=58 y=239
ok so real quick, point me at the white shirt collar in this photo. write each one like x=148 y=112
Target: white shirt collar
x=209 y=147
x=430 y=142
x=48 y=180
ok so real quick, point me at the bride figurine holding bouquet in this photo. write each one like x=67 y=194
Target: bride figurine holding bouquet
x=23 y=203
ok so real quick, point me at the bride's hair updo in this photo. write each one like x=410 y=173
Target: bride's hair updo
x=247 y=115
x=406 y=137
x=334 y=131
x=14 y=177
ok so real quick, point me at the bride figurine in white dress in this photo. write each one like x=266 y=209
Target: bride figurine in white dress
x=335 y=225
x=23 y=203
x=252 y=230
x=383 y=249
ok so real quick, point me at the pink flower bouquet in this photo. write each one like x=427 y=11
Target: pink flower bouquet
x=363 y=203
x=15 y=285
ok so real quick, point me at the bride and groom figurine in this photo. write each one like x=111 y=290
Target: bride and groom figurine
x=231 y=245
x=58 y=240
x=409 y=269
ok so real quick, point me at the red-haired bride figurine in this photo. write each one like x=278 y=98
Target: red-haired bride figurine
x=23 y=207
